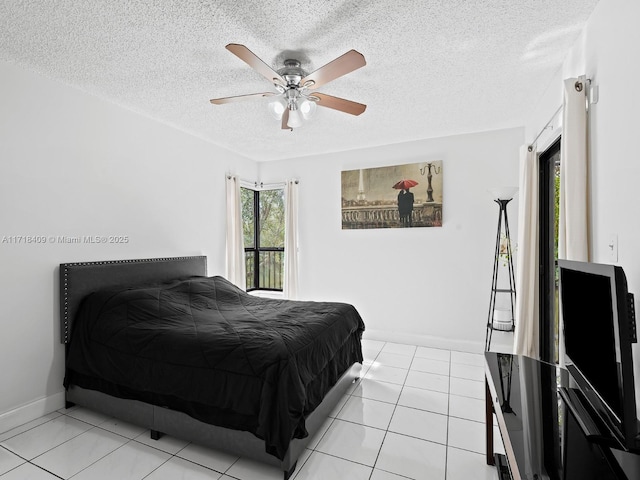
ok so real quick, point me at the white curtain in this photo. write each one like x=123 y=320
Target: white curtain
x=573 y=226
x=526 y=336
x=573 y=242
x=291 y=241
x=235 y=262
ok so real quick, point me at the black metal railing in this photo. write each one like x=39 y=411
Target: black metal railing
x=265 y=269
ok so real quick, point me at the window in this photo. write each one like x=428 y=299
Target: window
x=263 y=229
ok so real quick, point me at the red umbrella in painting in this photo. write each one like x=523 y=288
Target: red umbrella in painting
x=405 y=184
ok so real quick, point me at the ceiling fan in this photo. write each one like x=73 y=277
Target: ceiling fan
x=296 y=99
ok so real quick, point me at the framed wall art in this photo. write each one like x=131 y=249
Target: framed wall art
x=398 y=196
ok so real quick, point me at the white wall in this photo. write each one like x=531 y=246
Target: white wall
x=608 y=52
x=420 y=285
x=72 y=164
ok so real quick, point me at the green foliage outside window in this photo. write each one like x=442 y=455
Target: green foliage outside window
x=556 y=214
x=272 y=218
x=248 y=219
x=556 y=208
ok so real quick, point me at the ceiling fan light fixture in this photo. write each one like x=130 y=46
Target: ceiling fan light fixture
x=295 y=119
x=277 y=107
x=307 y=108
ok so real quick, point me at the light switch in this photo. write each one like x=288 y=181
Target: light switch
x=612 y=247
x=594 y=94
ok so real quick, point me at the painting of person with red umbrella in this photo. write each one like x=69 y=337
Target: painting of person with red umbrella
x=405 y=201
x=397 y=196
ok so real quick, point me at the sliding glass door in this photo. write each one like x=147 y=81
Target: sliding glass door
x=549 y=162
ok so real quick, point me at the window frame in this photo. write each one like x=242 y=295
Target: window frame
x=254 y=283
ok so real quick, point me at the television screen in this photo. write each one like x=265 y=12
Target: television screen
x=590 y=333
x=598 y=332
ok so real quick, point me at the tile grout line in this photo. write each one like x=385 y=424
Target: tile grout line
x=373 y=468
x=127 y=442
x=52 y=448
x=163 y=463
x=448 y=409
x=19 y=456
x=34 y=465
x=30 y=461
x=28 y=429
x=392 y=414
x=104 y=456
x=333 y=420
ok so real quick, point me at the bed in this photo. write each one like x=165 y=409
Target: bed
x=259 y=381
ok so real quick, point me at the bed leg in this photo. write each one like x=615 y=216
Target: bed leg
x=289 y=473
x=68 y=404
x=155 y=435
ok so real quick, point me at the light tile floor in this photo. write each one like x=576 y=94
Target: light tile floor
x=416 y=413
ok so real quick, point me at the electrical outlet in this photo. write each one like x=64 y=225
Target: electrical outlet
x=612 y=247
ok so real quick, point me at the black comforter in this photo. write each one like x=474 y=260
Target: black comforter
x=205 y=347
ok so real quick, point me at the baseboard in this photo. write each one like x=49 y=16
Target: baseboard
x=31 y=411
x=424 y=340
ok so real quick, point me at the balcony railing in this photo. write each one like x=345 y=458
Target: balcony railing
x=269 y=273
x=359 y=215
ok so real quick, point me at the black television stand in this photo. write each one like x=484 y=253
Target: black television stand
x=548 y=430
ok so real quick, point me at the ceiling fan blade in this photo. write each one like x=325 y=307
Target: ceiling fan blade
x=347 y=63
x=285 y=120
x=239 y=98
x=251 y=59
x=347 y=106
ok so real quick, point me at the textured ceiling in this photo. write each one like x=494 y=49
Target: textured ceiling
x=434 y=68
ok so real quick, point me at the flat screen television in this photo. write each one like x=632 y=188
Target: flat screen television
x=599 y=329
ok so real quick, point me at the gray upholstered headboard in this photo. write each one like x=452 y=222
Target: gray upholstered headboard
x=77 y=280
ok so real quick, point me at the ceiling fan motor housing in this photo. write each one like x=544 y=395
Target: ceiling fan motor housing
x=292 y=72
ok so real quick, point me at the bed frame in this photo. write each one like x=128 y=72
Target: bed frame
x=79 y=279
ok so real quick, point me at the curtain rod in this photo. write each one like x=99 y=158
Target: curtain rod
x=544 y=128
x=267 y=186
x=582 y=84
x=261 y=185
